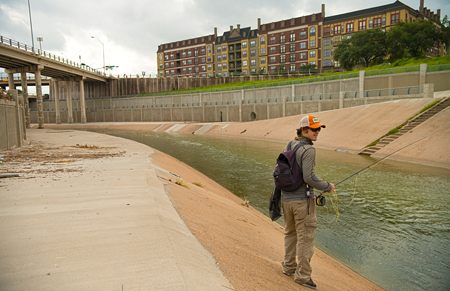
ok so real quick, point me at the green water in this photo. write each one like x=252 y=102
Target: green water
x=396 y=233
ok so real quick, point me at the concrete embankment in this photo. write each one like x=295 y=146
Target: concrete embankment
x=348 y=130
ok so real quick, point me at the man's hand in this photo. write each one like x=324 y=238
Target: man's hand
x=332 y=188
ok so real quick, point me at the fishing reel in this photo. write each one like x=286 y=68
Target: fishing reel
x=320 y=200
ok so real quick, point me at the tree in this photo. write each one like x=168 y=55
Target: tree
x=413 y=39
x=365 y=47
x=445 y=34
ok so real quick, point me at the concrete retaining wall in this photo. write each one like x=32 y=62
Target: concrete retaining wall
x=12 y=123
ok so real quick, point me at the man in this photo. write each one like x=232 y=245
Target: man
x=299 y=206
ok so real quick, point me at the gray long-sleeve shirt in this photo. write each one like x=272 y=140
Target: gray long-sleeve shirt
x=306 y=159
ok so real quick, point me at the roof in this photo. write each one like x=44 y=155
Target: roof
x=288 y=23
x=372 y=10
x=201 y=40
x=234 y=35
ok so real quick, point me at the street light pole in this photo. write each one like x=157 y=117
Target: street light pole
x=103 y=45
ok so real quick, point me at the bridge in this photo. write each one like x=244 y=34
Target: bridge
x=16 y=57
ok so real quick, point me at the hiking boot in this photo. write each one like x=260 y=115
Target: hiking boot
x=310 y=284
x=288 y=274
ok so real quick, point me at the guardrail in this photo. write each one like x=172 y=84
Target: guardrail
x=15 y=44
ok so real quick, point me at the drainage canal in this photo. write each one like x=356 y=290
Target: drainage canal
x=396 y=233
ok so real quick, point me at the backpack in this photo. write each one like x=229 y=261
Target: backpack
x=287 y=175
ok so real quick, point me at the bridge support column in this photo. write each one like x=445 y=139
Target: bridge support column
x=23 y=76
x=82 y=102
x=11 y=84
x=69 y=102
x=40 y=102
x=58 y=116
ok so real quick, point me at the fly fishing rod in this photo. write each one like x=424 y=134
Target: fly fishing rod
x=379 y=161
x=320 y=199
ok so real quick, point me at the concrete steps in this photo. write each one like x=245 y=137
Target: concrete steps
x=410 y=125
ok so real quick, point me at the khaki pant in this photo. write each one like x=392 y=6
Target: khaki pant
x=299 y=234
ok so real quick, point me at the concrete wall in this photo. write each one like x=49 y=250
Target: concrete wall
x=237 y=110
x=12 y=123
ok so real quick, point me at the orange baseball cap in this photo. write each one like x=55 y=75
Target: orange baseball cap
x=311 y=121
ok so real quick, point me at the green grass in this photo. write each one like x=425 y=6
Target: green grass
x=241 y=85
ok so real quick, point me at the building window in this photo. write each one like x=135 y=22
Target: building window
x=272 y=69
x=326 y=41
x=263 y=50
x=292 y=37
x=219 y=49
x=244 y=54
x=349 y=27
x=263 y=39
x=172 y=71
x=190 y=70
x=282 y=59
x=244 y=63
x=172 y=64
x=252 y=43
x=203 y=60
x=282 y=40
x=224 y=48
x=219 y=66
x=302 y=55
x=376 y=22
x=253 y=62
x=171 y=56
x=326 y=31
x=272 y=59
x=370 y=23
x=312 y=43
x=303 y=65
x=183 y=54
x=202 y=51
x=224 y=57
x=252 y=53
x=326 y=63
x=203 y=68
x=312 y=63
x=209 y=67
x=312 y=54
x=189 y=53
x=312 y=31
x=394 y=18
x=326 y=53
x=292 y=48
x=208 y=49
x=303 y=34
x=225 y=74
x=273 y=49
x=209 y=59
x=263 y=60
x=292 y=67
x=183 y=62
x=383 y=21
x=292 y=58
x=244 y=44
x=303 y=45
x=167 y=64
x=362 y=25
x=184 y=70
x=224 y=65
x=166 y=57
x=337 y=29
x=167 y=73
x=219 y=57
x=196 y=53
x=272 y=39
x=244 y=72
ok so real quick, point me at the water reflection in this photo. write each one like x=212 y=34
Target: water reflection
x=396 y=232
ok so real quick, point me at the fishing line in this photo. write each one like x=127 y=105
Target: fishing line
x=334 y=199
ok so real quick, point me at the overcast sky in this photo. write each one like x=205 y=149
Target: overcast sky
x=131 y=30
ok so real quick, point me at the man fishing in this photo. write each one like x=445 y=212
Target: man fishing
x=299 y=207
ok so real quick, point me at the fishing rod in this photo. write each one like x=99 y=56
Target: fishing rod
x=379 y=161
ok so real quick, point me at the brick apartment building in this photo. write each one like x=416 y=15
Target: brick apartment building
x=282 y=46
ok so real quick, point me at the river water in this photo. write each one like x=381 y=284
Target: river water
x=396 y=232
